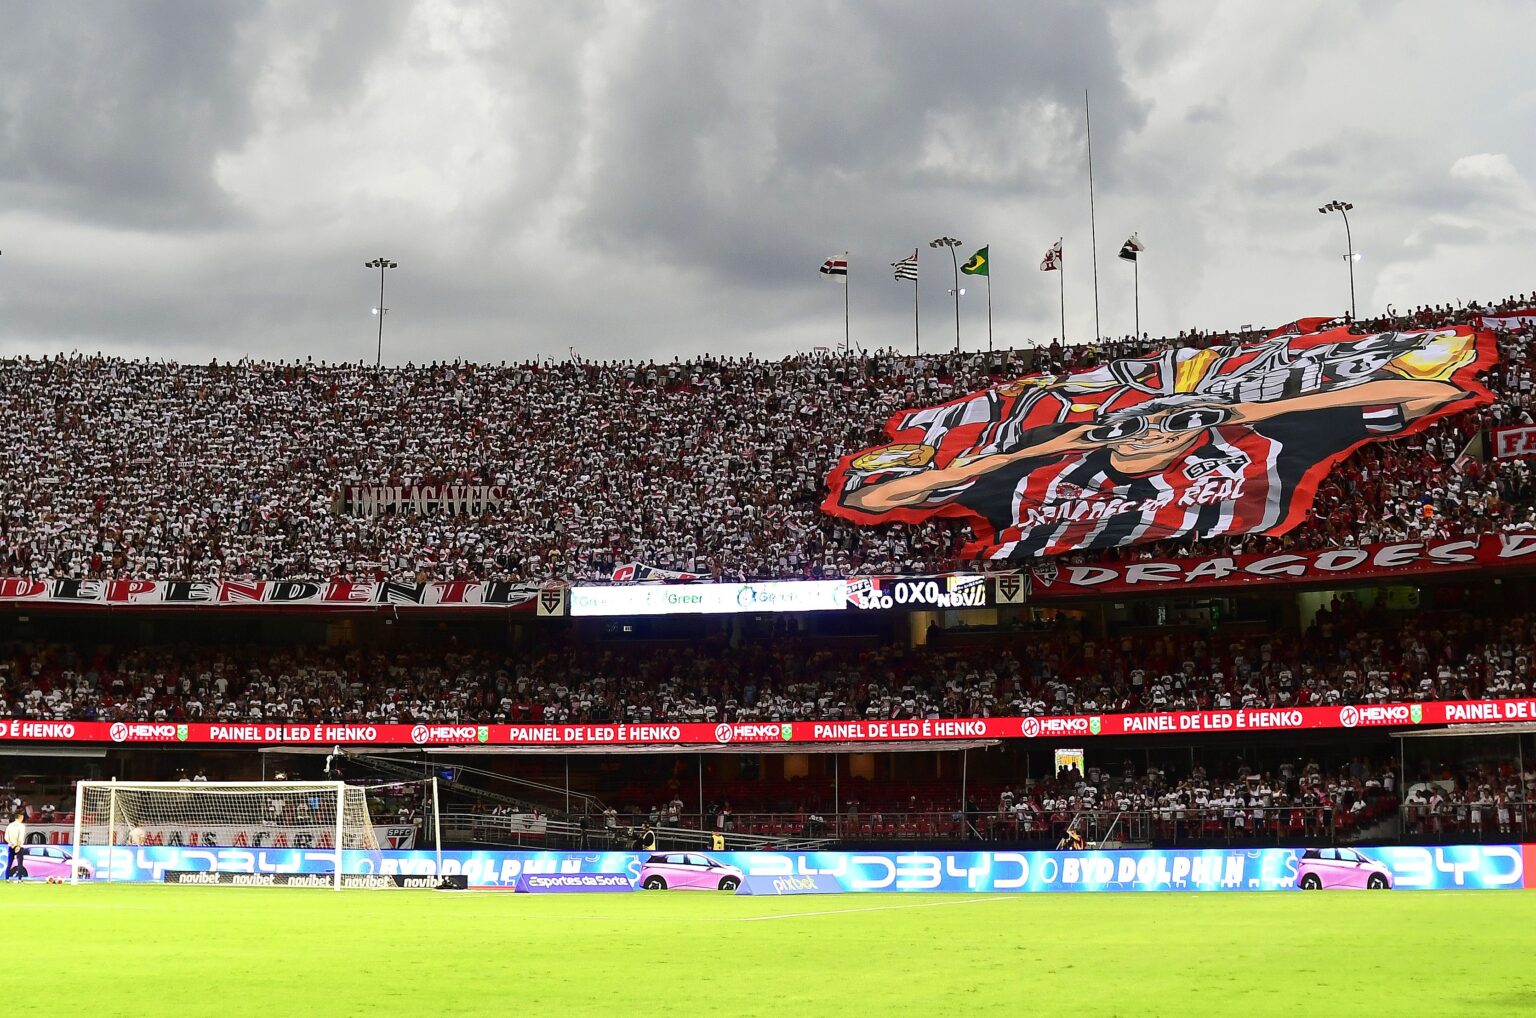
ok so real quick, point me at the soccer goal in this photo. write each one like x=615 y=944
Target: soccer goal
x=319 y=817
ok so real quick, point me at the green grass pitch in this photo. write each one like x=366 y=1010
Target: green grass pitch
x=151 y=950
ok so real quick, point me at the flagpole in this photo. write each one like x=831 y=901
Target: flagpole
x=1136 y=290
x=1092 y=221
x=1061 y=282
x=989 y=301
x=847 y=344
x=917 y=342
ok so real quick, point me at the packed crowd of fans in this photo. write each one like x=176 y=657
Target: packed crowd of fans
x=1349 y=655
x=152 y=469
x=1494 y=795
x=1296 y=799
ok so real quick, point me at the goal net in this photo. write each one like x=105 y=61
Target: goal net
x=324 y=817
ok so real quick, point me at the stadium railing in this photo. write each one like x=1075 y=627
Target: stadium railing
x=520 y=832
x=1463 y=822
x=1172 y=826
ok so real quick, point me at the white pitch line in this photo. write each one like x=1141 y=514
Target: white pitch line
x=871 y=908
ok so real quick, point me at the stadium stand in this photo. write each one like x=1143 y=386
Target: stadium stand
x=1350 y=654
x=152 y=469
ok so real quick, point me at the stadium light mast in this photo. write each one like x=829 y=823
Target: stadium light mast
x=952 y=243
x=1342 y=208
x=381 y=264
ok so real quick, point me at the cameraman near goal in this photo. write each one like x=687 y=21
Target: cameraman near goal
x=16 y=846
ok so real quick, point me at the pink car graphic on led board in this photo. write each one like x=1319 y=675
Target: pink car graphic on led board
x=687 y=871
x=1340 y=867
x=44 y=861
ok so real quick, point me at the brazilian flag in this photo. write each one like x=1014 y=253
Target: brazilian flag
x=979 y=265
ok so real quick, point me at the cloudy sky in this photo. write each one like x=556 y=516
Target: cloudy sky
x=195 y=179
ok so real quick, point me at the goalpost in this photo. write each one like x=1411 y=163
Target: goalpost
x=317 y=816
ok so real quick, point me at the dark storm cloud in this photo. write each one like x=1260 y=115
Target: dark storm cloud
x=650 y=178
x=114 y=112
x=731 y=135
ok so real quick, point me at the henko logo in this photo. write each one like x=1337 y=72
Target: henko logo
x=1030 y=728
x=723 y=732
x=143 y=731
x=1378 y=714
x=1349 y=717
x=422 y=734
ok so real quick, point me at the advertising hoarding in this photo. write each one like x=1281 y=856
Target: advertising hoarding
x=1408 y=867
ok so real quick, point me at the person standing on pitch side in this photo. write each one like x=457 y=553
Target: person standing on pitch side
x=16 y=845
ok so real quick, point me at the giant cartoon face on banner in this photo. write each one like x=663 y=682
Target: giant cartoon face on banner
x=1227 y=440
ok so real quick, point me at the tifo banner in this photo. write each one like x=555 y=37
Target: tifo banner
x=747 y=733
x=1515 y=442
x=1403 y=560
x=1202 y=443
x=1263 y=869
x=402 y=836
x=289 y=594
x=1507 y=320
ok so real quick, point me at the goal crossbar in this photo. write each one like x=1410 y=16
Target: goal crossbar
x=325 y=816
